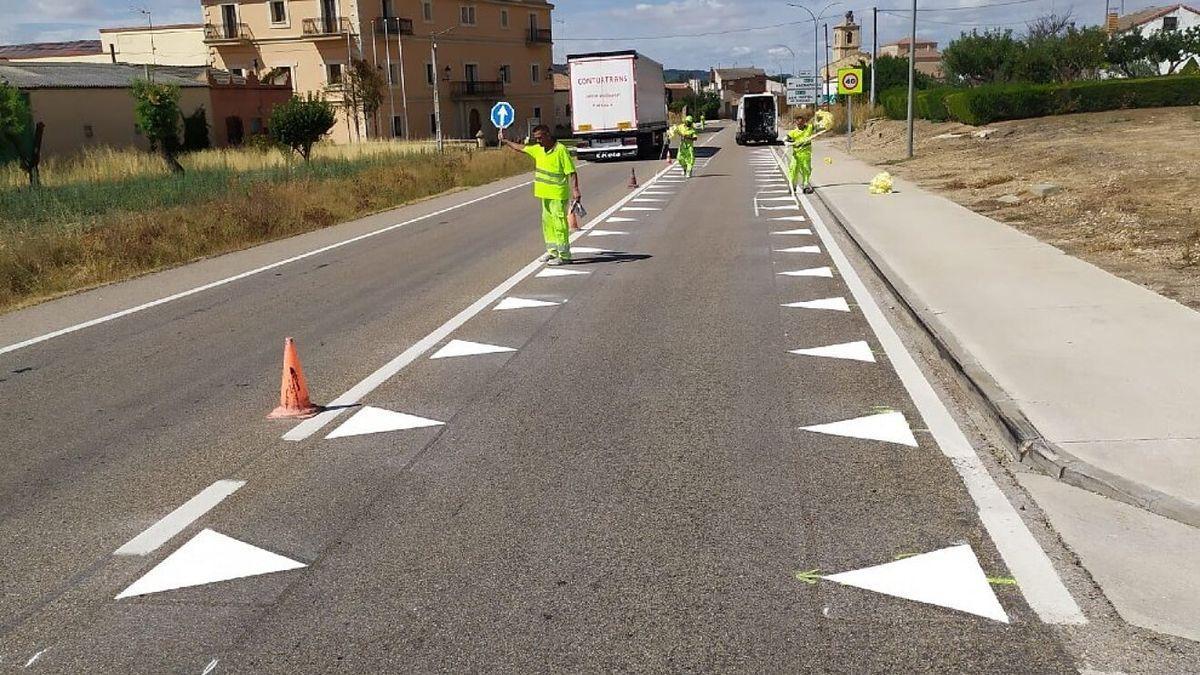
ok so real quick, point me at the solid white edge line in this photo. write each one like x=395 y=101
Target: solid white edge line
x=356 y=393
x=248 y=273
x=174 y=522
x=1036 y=577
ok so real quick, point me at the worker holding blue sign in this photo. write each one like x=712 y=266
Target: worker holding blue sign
x=555 y=184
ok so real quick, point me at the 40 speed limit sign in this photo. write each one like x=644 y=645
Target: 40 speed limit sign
x=850 y=80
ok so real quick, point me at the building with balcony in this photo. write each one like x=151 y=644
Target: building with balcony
x=486 y=51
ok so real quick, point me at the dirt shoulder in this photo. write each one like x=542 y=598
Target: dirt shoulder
x=1129 y=181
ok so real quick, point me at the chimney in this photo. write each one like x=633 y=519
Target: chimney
x=1111 y=24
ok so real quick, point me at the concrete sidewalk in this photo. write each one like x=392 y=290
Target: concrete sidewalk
x=1096 y=376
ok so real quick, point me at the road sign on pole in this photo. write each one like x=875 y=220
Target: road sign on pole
x=850 y=81
x=800 y=89
x=503 y=115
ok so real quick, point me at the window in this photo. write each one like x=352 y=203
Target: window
x=279 y=12
x=471 y=72
x=427 y=10
x=394 y=74
x=429 y=74
x=506 y=74
x=387 y=9
x=237 y=72
x=537 y=113
x=397 y=126
x=256 y=125
x=504 y=18
x=88 y=132
x=466 y=15
x=1170 y=23
x=432 y=124
x=333 y=73
x=535 y=72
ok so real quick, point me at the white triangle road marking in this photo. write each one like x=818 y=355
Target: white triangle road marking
x=812 y=272
x=793 y=219
x=853 y=351
x=641 y=208
x=619 y=219
x=775 y=199
x=663 y=193
x=524 y=303
x=207 y=558
x=465 y=348
x=799 y=249
x=558 y=272
x=605 y=233
x=950 y=578
x=835 y=304
x=372 y=420
x=589 y=249
x=644 y=200
x=799 y=231
x=890 y=427
x=785 y=207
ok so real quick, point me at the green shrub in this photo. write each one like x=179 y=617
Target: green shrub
x=982 y=105
x=895 y=102
x=931 y=104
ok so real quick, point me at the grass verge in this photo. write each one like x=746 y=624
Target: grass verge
x=78 y=235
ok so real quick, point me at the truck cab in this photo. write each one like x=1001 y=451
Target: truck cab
x=758 y=119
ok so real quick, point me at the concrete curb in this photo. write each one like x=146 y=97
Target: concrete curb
x=1028 y=445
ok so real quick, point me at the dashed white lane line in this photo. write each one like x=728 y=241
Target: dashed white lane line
x=33 y=659
x=1035 y=574
x=249 y=273
x=176 y=521
x=356 y=393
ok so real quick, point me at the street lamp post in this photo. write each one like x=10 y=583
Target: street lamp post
x=437 y=101
x=912 y=67
x=816 y=18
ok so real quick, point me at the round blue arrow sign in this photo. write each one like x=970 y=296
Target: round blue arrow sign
x=503 y=115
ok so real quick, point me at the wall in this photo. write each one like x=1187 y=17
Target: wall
x=250 y=103
x=108 y=111
x=179 y=46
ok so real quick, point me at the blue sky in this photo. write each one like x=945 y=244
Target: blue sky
x=597 y=25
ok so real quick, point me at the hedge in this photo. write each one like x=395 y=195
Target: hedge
x=991 y=103
x=931 y=103
x=895 y=102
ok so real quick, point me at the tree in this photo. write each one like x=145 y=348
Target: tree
x=1127 y=53
x=301 y=122
x=362 y=91
x=156 y=111
x=981 y=58
x=195 y=131
x=20 y=138
x=1049 y=25
x=1173 y=47
x=892 y=71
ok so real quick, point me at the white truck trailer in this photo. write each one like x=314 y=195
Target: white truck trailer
x=618 y=105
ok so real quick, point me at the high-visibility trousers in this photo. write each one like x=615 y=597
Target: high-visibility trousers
x=687 y=155
x=555 y=230
x=801 y=165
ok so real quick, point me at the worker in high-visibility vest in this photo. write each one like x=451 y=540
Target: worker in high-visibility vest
x=799 y=140
x=686 y=131
x=555 y=184
x=703 y=122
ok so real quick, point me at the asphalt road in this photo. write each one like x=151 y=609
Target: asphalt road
x=628 y=489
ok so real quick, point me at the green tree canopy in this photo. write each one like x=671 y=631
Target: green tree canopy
x=301 y=122
x=156 y=111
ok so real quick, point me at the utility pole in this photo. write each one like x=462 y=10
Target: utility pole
x=387 y=50
x=874 y=50
x=154 y=56
x=403 y=88
x=912 y=69
x=437 y=101
x=825 y=79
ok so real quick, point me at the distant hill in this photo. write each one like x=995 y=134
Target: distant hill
x=676 y=75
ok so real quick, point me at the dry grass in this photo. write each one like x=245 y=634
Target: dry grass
x=106 y=164
x=1128 y=202
x=37 y=262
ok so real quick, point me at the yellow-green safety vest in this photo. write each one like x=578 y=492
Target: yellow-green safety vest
x=554 y=168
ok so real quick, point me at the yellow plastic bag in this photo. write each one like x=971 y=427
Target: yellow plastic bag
x=823 y=120
x=881 y=184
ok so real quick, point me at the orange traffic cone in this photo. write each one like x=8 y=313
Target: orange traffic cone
x=632 y=178
x=293 y=390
